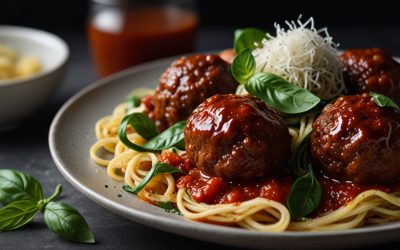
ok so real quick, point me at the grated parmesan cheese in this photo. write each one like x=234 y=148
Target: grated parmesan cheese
x=304 y=56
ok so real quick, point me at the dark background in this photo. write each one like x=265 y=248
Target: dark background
x=51 y=14
x=26 y=148
x=370 y=21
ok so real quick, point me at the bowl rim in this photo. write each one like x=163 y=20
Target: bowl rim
x=53 y=68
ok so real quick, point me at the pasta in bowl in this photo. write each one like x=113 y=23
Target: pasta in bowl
x=30 y=79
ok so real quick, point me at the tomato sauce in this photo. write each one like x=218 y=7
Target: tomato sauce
x=121 y=38
x=181 y=162
x=336 y=194
x=215 y=190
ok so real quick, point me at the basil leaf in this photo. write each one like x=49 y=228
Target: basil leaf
x=246 y=38
x=305 y=195
x=65 y=221
x=158 y=168
x=15 y=186
x=243 y=66
x=281 y=94
x=169 y=207
x=133 y=101
x=383 y=101
x=17 y=214
x=302 y=156
x=171 y=137
x=142 y=124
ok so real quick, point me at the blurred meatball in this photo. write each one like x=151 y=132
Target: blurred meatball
x=354 y=139
x=371 y=70
x=238 y=138
x=187 y=83
x=228 y=55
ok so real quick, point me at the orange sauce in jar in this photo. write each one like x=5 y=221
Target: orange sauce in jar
x=122 y=37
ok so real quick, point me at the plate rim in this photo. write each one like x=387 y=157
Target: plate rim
x=165 y=223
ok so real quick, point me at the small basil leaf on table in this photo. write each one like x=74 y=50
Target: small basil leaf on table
x=172 y=137
x=158 y=168
x=246 y=38
x=169 y=207
x=243 y=66
x=304 y=196
x=143 y=125
x=65 y=221
x=17 y=214
x=281 y=94
x=383 y=101
x=15 y=186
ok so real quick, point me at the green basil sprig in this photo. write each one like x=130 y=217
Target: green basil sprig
x=23 y=198
x=281 y=94
x=243 y=66
x=15 y=185
x=272 y=89
x=66 y=221
x=133 y=101
x=17 y=214
x=304 y=196
x=306 y=192
x=169 y=207
x=143 y=125
x=158 y=168
x=383 y=101
x=302 y=157
x=246 y=38
x=172 y=137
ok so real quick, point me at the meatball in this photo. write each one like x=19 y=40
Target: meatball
x=187 y=83
x=371 y=70
x=238 y=138
x=354 y=139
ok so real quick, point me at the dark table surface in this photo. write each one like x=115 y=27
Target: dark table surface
x=26 y=149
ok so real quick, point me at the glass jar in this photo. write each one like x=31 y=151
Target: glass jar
x=123 y=33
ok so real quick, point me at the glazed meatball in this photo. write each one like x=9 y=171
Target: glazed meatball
x=374 y=70
x=238 y=138
x=354 y=139
x=187 y=83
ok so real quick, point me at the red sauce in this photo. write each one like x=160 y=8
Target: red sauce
x=124 y=37
x=215 y=190
x=181 y=162
x=339 y=193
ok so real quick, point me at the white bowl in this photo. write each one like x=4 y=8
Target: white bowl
x=20 y=97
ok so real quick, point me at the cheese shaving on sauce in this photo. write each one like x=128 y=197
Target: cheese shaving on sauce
x=304 y=56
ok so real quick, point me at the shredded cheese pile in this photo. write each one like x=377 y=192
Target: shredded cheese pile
x=304 y=56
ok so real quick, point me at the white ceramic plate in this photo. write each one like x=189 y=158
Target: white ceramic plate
x=72 y=134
